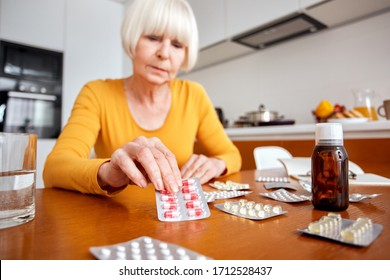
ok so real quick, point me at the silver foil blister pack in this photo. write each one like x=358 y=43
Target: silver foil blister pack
x=250 y=209
x=212 y=196
x=359 y=232
x=145 y=248
x=189 y=203
x=229 y=186
x=286 y=196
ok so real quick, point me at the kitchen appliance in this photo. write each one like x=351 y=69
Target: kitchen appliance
x=30 y=90
x=262 y=117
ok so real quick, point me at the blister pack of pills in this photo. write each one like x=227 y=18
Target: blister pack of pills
x=229 y=186
x=273 y=179
x=360 y=232
x=250 y=209
x=212 y=196
x=145 y=248
x=189 y=203
x=286 y=196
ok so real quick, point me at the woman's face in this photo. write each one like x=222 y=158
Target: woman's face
x=158 y=58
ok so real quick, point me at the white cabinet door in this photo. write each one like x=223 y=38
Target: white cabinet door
x=210 y=17
x=38 y=23
x=243 y=15
x=93 y=47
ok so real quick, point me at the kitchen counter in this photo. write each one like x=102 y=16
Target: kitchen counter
x=368 y=130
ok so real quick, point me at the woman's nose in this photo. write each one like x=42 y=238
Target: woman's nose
x=163 y=51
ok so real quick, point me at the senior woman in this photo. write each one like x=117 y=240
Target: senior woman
x=143 y=127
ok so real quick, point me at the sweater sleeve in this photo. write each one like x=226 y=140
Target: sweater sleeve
x=212 y=137
x=68 y=165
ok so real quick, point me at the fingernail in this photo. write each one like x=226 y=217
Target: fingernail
x=160 y=184
x=143 y=183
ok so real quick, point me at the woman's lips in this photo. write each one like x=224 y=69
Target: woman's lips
x=158 y=68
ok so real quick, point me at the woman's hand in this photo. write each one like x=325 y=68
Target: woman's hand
x=139 y=162
x=205 y=168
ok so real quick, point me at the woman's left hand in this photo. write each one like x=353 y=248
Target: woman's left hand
x=205 y=168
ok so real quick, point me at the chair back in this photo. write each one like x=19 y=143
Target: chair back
x=267 y=157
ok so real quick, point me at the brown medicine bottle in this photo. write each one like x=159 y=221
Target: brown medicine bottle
x=329 y=169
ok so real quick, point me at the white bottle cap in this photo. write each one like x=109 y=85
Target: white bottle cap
x=329 y=134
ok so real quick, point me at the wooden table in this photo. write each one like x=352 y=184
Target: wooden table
x=68 y=223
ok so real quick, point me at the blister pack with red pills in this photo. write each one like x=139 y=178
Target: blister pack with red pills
x=189 y=203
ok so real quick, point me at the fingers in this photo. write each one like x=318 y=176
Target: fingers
x=170 y=157
x=203 y=167
x=194 y=167
x=158 y=163
x=122 y=164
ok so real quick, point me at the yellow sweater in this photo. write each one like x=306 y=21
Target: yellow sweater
x=101 y=119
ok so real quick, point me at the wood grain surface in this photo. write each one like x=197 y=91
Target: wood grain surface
x=68 y=223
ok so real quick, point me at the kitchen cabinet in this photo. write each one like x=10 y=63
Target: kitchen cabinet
x=244 y=15
x=210 y=17
x=39 y=23
x=219 y=20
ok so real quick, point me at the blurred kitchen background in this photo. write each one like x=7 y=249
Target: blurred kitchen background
x=342 y=45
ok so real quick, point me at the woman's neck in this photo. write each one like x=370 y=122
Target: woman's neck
x=149 y=104
x=145 y=93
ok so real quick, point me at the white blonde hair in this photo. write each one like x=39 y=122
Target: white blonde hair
x=173 y=18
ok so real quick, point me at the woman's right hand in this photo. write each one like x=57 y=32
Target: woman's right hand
x=139 y=162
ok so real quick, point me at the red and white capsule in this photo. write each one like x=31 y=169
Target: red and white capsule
x=193 y=204
x=164 y=191
x=188 y=189
x=169 y=205
x=196 y=212
x=190 y=196
x=188 y=182
x=171 y=214
x=168 y=198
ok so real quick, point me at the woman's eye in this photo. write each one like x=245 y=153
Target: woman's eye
x=153 y=37
x=177 y=44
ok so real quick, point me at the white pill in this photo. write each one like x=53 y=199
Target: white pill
x=105 y=252
x=261 y=214
x=258 y=206
x=181 y=251
x=242 y=202
x=120 y=248
x=268 y=208
x=243 y=211
x=227 y=205
x=252 y=212
x=277 y=209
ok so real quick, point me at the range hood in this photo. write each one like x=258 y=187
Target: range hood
x=326 y=14
x=286 y=29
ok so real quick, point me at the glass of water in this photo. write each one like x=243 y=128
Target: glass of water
x=17 y=178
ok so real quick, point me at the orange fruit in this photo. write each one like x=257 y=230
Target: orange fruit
x=324 y=109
